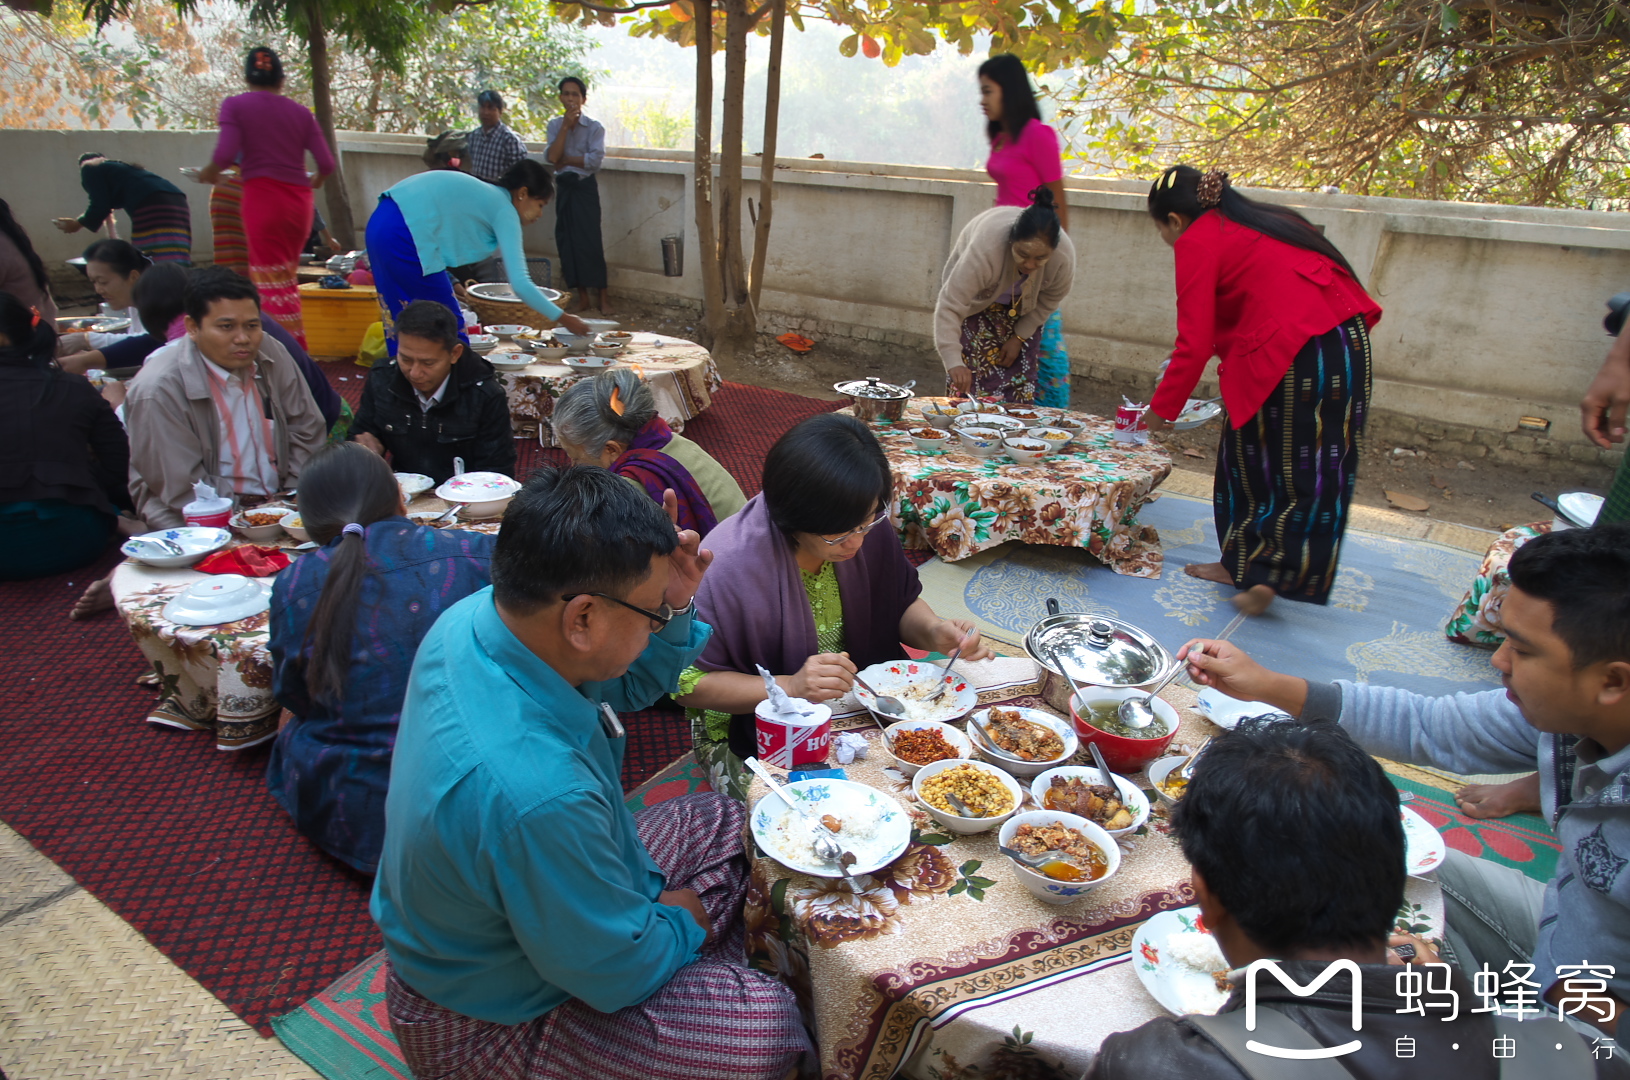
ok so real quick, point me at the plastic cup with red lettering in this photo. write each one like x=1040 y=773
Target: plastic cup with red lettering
x=207 y=510
x=798 y=740
x=1130 y=425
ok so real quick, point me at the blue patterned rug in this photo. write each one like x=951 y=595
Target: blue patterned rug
x=1384 y=623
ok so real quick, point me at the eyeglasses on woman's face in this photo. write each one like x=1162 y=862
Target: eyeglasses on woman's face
x=660 y=618
x=834 y=541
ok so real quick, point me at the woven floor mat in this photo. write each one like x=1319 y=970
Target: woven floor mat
x=82 y=994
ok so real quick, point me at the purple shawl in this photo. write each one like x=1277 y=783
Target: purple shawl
x=754 y=598
x=646 y=464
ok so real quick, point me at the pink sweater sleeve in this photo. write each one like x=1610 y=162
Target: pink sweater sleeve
x=319 y=147
x=230 y=143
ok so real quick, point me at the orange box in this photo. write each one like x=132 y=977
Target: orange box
x=336 y=319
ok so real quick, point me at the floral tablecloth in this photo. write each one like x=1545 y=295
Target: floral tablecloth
x=957 y=504
x=211 y=678
x=945 y=966
x=1476 y=619
x=682 y=375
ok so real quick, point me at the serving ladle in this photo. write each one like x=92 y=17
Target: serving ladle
x=1138 y=712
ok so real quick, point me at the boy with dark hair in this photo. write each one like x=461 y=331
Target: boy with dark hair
x=493 y=146
x=435 y=401
x=1566 y=669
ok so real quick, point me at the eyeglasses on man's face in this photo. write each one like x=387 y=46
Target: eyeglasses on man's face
x=661 y=617
x=861 y=531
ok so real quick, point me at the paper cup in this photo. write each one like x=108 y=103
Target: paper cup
x=216 y=520
x=787 y=746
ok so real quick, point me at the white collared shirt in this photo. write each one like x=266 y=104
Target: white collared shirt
x=426 y=403
x=247 y=445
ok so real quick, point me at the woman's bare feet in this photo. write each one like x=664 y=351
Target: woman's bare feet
x=1484 y=801
x=1209 y=571
x=94 y=600
x=1255 y=600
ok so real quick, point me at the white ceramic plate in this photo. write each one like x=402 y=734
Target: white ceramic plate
x=1178 y=988
x=876 y=829
x=1424 y=849
x=911 y=681
x=475 y=487
x=500 y=290
x=588 y=365
x=1226 y=712
x=220 y=598
x=509 y=361
x=414 y=484
x=507 y=330
x=1582 y=506
x=195 y=541
x=1196 y=413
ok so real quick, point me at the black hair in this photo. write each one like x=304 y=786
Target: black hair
x=15 y=233
x=1584 y=574
x=1295 y=830
x=490 y=97
x=1018 y=99
x=160 y=296
x=33 y=340
x=582 y=86
x=261 y=67
x=826 y=475
x=343 y=484
x=122 y=255
x=430 y=320
x=206 y=286
x=576 y=529
x=1177 y=192
x=530 y=175
x=1040 y=218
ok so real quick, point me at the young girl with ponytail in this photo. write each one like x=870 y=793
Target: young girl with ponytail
x=1259 y=286
x=346 y=621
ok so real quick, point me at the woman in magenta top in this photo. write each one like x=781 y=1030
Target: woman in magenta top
x=1024 y=156
x=269 y=135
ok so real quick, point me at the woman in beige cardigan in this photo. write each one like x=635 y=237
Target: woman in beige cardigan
x=1008 y=272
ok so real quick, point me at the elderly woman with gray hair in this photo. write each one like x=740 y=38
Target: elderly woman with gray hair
x=611 y=420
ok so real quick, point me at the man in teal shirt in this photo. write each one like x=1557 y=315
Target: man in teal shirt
x=535 y=927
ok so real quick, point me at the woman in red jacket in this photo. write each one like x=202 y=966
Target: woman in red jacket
x=1259 y=286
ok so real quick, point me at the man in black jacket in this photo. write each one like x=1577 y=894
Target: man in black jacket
x=1298 y=855
x=437 y=402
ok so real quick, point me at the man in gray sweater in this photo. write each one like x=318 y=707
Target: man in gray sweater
x=1566 y=705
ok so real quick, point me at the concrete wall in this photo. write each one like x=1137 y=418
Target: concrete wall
x=1491 y=312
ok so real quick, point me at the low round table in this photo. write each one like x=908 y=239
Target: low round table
x=957 y=505
x=681 y=374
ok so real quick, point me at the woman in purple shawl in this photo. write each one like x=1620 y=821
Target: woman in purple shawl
x=611 y=420
x=810 y=581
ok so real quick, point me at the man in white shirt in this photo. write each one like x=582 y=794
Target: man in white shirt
x=225 y=404
x=577 y=149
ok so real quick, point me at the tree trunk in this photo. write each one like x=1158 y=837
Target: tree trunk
x=322 y=100
x=707 y=257
x=766 y=169
x=734 y=323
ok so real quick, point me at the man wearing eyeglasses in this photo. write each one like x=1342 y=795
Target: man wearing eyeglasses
x=537 y=928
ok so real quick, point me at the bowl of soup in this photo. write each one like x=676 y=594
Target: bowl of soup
x=1079 y=856
x=1126 y=750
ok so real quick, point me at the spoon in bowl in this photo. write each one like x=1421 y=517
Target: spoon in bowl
x=989 y=744
x=1138 y=712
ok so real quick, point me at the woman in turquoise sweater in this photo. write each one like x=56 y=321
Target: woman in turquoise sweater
x=444 y=218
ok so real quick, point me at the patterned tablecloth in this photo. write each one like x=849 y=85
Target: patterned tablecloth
x=957 y=504
x=945 y=966
x=681 y=373
x=1476 y=619
x=211 y=678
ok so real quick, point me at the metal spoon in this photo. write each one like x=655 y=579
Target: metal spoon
x=163 y=543
x=1103 y=767
x=945 y=677
x=1186 y=770
x=888 y=740
x=1138 y=712
x=959 y=806
x=989 y=745
x=445 y=514
x=824 y=843
x=888 y=706
x=1035 y=862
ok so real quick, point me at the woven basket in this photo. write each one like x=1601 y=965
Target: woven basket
x=499 y=312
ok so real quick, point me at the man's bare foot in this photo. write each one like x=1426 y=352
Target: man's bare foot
x=1484 y=801
x=1209 y=571
x=1255 y=600
x=94 y=600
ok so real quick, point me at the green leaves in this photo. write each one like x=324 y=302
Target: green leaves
x=968 y=882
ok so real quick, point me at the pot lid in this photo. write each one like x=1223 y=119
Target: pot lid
x=1097 y=650
x=871 y=387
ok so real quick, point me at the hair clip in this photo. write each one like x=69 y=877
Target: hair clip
x=1170 y=179
x=616 y=402
x=1208 y=192
x=36 y=313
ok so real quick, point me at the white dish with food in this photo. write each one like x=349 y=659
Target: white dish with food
x=550 y=351
x=259 y=525
x=939 y=440
x=979 y=795
x=510 y=361
x=1168 y=788
x=1006 y=424
x=295 y=526
x=1134 y=801
x=219 y=598
x=413 y=484
x=1196 y=412
x=955 y=739
x=938 y=416
x=589 y=365
x=607 y=348
x=1085 y=860
x=1056 y=437
x=981 y=442
x=428 y=518
x=506 y=331
x=1226 y=712
x=872 y=827
x=913 y=682
x=1424 y=849
x=1026 y=450
x=1180 y=964
x=195 y=541
x=1068 y=740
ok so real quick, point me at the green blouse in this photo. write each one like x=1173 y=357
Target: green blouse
x=824 y=603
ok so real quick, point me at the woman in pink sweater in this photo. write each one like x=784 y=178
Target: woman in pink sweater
x=270 y=135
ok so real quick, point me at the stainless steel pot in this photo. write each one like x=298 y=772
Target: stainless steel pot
x=873 y=399
x=1107 y=652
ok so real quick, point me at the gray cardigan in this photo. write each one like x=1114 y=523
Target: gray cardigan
x=1585 y=794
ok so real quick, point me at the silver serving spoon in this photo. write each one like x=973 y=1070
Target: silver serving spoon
x=959 y=806
x=945 y=677
x=1138 y=712
x=888 y=706
x=1035 y=862
x=1103 y=767
x=163 y=543
x=1186 y=770
x=989 y=745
